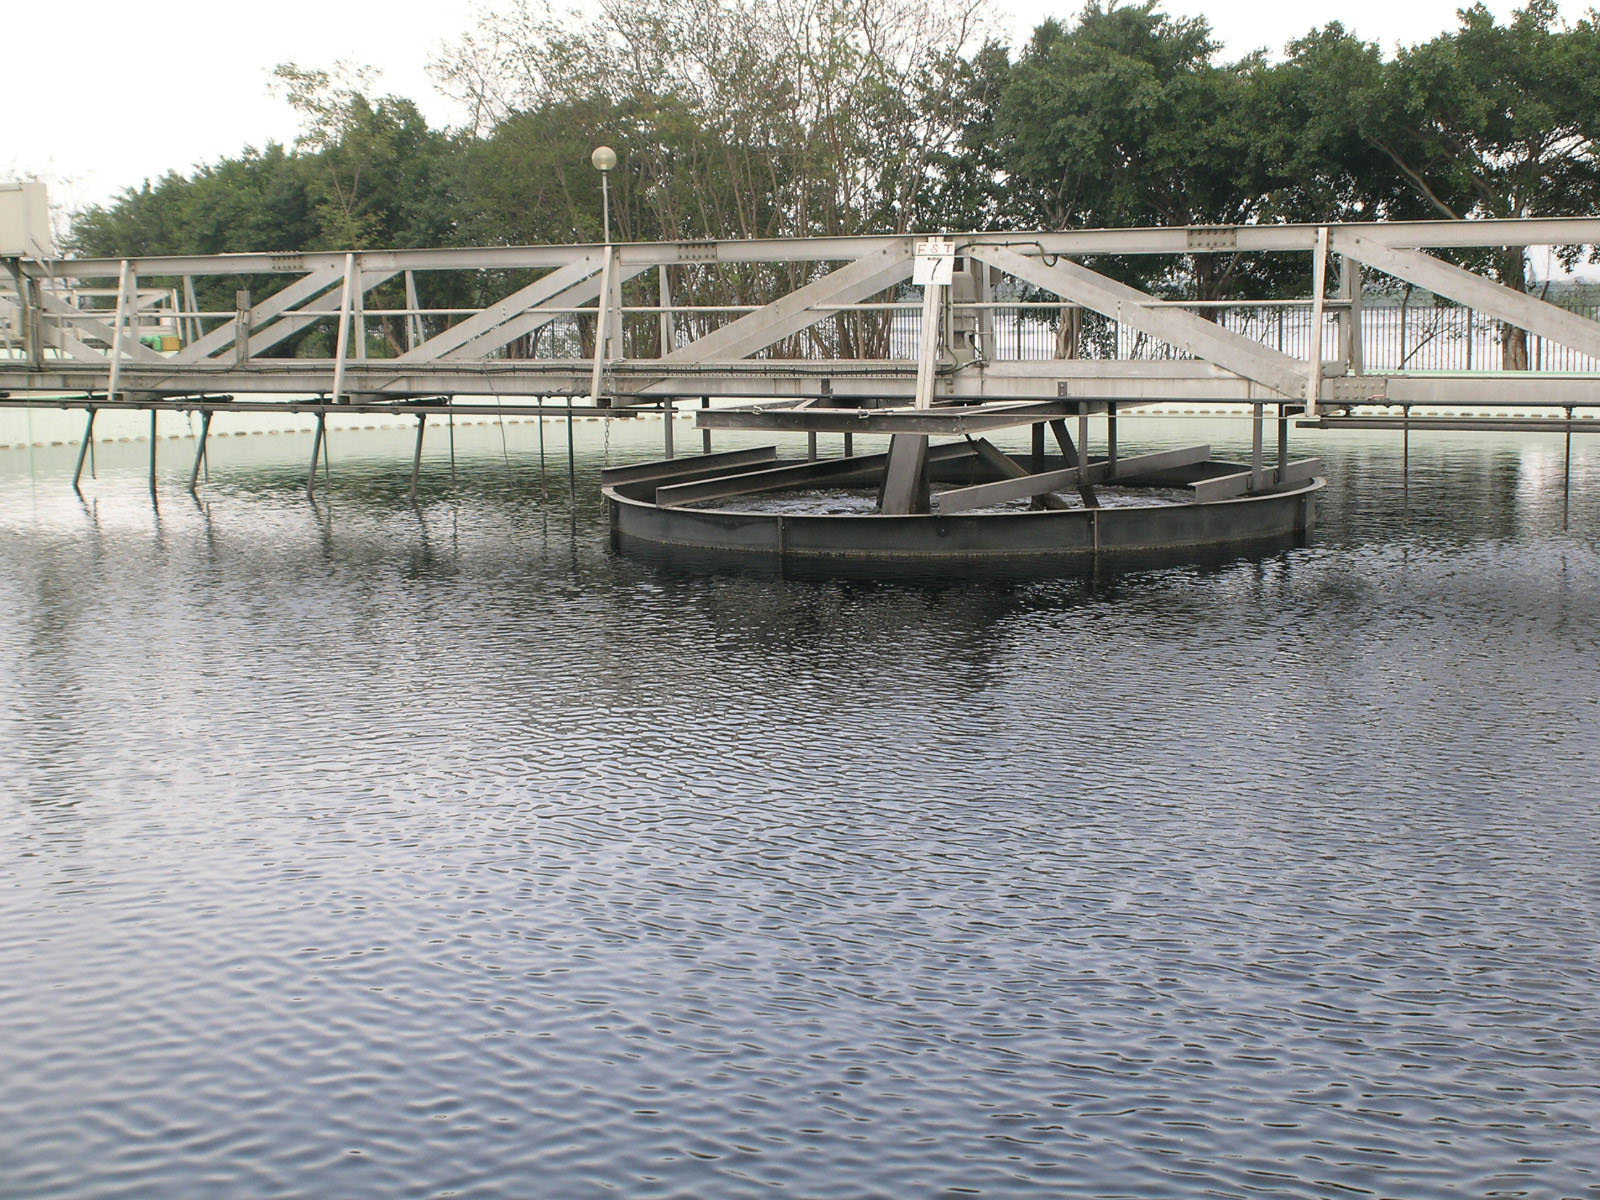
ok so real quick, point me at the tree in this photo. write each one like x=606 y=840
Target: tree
x=1487 y=121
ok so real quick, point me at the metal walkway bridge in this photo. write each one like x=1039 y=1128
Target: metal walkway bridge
x=823 y=333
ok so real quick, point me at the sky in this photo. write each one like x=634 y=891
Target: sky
x=122 y=92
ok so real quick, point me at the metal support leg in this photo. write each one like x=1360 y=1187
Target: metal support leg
x=849 y=445
x=88 y=440
x=666 y=424
x=1038 y=449
x=905 y=477
x=416 y=454
x=1111 y=436
x=1069 y=455
x=705 y=434
x=1566 y=476
x=1258 y=473
x=572 y=458
x=316 y=452
x=152 y=450
x=1405 y=447
x=811 y=447
x=1283 y=444
x=200 y=449
x=1090 y=500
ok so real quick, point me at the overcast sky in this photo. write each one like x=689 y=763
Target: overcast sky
x=102 y=94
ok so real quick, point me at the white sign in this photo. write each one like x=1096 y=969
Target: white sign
x=936 y=262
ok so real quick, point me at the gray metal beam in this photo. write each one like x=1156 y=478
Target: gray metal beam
x=1205 y=339
x=298 y=292
x=795 y=311
x=836 y=471
x=1484 y=295
x=540 y=291
x=1541 y=231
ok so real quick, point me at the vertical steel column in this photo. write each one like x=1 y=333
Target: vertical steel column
x=1258 y=474
x=666 y=427
x=191 y=330
x=1038 y=448
x=1319 y=287
x=1352 y=350
x=664 y=318
x=153 y=415
x=1405 y=447
x=602 y=337
x=123 y=275
x=1283 y=444
x=343 y=344
x=413 y=317
x=416 y=454
x=88 y=440
x=200 y=449
x=1111 y=436
x=316 y=451
x=705 y=434
x=1566 y=475
x=358 y=317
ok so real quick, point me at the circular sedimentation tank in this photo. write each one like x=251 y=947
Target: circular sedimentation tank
x=694 y=509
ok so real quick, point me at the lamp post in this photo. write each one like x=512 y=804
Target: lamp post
x=604 y=159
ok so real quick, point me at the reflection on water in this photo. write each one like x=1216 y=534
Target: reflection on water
x=355 y=847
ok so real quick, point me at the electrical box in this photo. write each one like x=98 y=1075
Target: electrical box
x=25 y=221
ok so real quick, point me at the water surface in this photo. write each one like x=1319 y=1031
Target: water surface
x=355 y=848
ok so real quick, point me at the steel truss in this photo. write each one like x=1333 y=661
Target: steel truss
x=63 y=338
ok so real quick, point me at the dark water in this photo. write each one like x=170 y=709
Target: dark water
x=353 y=849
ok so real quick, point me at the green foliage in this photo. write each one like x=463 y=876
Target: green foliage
x=786 y=118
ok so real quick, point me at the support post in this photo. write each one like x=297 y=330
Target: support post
x=602 y=335
x=985 y=276
x=123 y=276
x=153 y=415
x=1319 y=287
x=1111 y=436
x=905 y=476
x=1258 y=474
x=664 y=318
x=343 y=347
x=1070 y=456
x=705 y=434
x=1352 y=350
x=416 y=454
x=1038 y=448
x=413 y=317
x=928 y=357
x=241 y=325
x=1566 y=474
x=200 y=449
x=316 y=451
x=666 y=427
x=811 y=447
x=1283 y=445
x=88 y=440
x=190 y=328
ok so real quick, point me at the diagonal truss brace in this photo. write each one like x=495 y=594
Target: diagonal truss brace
x=1205 y=339
x=1465 y=287
x=540 y=291
x=54 y=306
x=542 y=313
x=303 y=289
x=791 y=313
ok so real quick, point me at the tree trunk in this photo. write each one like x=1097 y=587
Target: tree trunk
x=1069 y=332
x=1514 y=341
